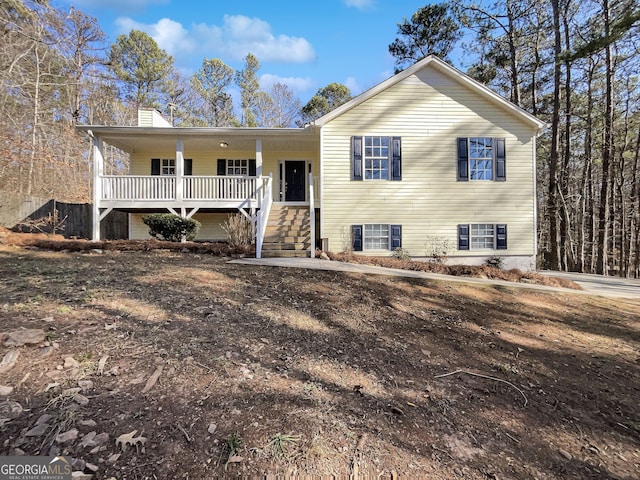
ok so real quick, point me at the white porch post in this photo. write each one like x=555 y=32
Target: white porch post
x=179 y=169
x=98 y=170
x=258 y=157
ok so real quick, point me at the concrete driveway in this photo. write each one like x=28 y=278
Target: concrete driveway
x=591 y=284
x=601 y=285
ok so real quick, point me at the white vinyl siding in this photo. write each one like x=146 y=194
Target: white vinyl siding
x=429 y=111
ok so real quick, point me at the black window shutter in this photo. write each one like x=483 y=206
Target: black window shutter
x=463 y=160
x=501 y=160
x=222 y=166
x=501 y=237
x=396 y=236
x=356 y=233
x=396 y=159
x=463 y=237
x=356 y=158
x=252 y=167
x=188 y=166
x=155 y=166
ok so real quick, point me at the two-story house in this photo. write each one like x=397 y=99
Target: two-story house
x=429 y=161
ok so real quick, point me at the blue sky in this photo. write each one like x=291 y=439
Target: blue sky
x=305 y=45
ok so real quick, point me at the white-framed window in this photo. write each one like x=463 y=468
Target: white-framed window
x=482 y=236
x=376 y=237
x=237 y=167
x=167 y=166
x=376 y=158
x=481 y=158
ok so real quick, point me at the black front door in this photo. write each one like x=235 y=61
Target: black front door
x=294 y=174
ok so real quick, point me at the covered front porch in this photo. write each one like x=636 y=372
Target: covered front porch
x=185 y=170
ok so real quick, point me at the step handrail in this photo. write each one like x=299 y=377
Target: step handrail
x=312 y=218
x=263 y=215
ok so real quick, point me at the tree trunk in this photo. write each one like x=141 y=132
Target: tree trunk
x=586 y=199
x=552 y=199
x=513 y=59
x=607 y=149
x=567 y=259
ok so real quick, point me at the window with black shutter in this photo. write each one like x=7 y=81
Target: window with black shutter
x=463 y=237
x=356 y=235
x=155 y=166
x=376 y=236
x=481 y=158
x=482 y=236
x=376 y=158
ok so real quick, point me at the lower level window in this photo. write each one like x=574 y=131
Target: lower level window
x=237 y=167
x=376 y=237
x=168 y=166
x=482 y=236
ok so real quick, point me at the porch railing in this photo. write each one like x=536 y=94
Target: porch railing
x=221 y=188
x=194 y=188
x=138 y=187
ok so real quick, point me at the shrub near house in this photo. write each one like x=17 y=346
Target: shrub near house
x=170 y=227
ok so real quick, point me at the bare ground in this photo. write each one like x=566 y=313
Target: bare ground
x=286 y=372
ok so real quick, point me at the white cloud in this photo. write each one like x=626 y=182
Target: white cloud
x=168 y=34
x=359 y=4
x=240 y=35
x=296 y=84
x=353 y=85
x=237 y=36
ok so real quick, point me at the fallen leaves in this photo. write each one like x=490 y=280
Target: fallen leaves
x=152 y=379
x=130 y=439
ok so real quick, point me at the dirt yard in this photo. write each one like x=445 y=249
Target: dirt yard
x=167 y=365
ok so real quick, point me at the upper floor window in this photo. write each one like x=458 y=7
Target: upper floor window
x=376 y=158
x=481 y=158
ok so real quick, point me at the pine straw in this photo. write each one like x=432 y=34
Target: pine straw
x=474 y=271
x=59 y=243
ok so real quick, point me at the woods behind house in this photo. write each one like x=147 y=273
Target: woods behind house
x=572 y=64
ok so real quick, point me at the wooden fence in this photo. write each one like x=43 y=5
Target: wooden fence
x=74 y=220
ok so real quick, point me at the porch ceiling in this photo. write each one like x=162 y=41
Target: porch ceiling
x=137 y=139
